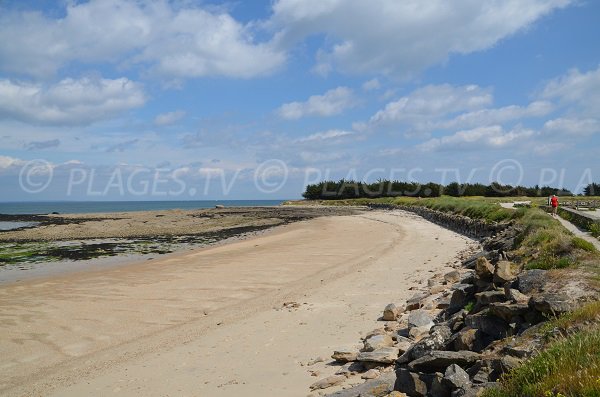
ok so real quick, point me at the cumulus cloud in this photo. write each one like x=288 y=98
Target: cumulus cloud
x=169 y=117
x=173 y=40
x=491 y=137
x=570 y=126
x=432 y=102
x=581 y=90
x=371 y=85
x=401 y=38
x=70 y=101
x=331 y=103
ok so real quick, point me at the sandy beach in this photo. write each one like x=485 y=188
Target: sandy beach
x=212 y=322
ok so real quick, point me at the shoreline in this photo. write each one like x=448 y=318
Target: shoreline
x=343 y=278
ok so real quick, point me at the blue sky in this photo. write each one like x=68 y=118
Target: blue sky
x=130 y=99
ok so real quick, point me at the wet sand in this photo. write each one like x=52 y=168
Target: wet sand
x=210 y=322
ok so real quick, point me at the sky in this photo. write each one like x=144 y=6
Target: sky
x=194 y=100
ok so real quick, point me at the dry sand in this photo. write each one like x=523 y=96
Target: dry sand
x=209 y=322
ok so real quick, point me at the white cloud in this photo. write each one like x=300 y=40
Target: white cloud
x=401 y=38
x=573 y=126
x=70 y=101
x=331 y=103
x=169 y=117
x=371 y=85
x=492 y=137
x=326 y=135
x=173 y=40
x=431 y=102
x=581 y=90
x=497 y=115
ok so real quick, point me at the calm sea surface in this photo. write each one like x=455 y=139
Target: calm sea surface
x=80 y=207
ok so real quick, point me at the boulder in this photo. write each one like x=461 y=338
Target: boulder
x=403 y=344
x=530 y=281
x=515 y=296
x=452 y=277
x=507 y=311
x=376 y=342
x=350 y=368
x=504 y=272
x=438 y=337
x=419 y=318
x=461 y=295
x=391 y=312
x=487 y=297
x=418 y=333
x=414 y=302
x=467 y=339
x=344 y=356
x=552 y=303
x=470 y=262
x=455 y=377
x=488 y=324
x=484 y=269
x=416 y=384
x=370 y=374
x=330 y=381
x=436 y=289
x=385 y=355
x=379 y=387
x=439 y=360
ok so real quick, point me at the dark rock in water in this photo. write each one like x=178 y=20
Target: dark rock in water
x=553 y=303
x=461 y=296
x=530 y=281
x=416 y=384
x=379 y=387
x=219 y=206
x=507 y=311
x=490 y=325
x=438 y=338
x=455 y=377
x=439 y=360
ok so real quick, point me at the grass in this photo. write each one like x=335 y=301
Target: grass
x=568 y=366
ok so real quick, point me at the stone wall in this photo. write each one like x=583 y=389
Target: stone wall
x=578 y=218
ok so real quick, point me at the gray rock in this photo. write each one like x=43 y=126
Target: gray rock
x=507 y=311
x=418 y=333
x=439 y=360
x=487 y=297
x=438 y=337
x=515 y=296
x=504 y=272
x=452 y=277
x=330 y=381
x=484 y=269
x=403 y=344
x=419 y=318
x=490 y=325
x=467 y=339
x=416 y=384
x=344 y=356
x=376 y=342
x=386 y=355
x=460 y=296
x=455 y=377
x=390 y=313
x=414 y=302
x=379 y=387
x=553 y=303
x=370 y=374
x=350 y=368
x=531 y=281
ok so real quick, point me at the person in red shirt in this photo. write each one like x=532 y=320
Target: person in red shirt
x=554 y=204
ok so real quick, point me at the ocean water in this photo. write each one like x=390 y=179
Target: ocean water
x=81 y=207
x=9 y=225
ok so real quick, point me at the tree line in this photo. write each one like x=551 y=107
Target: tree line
x=349 y=189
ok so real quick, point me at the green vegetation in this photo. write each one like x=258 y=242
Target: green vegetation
x=568 y=366
x=592 y=189
x=349 y=189
x=469 y=306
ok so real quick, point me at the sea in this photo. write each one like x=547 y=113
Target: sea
x=86 y=207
